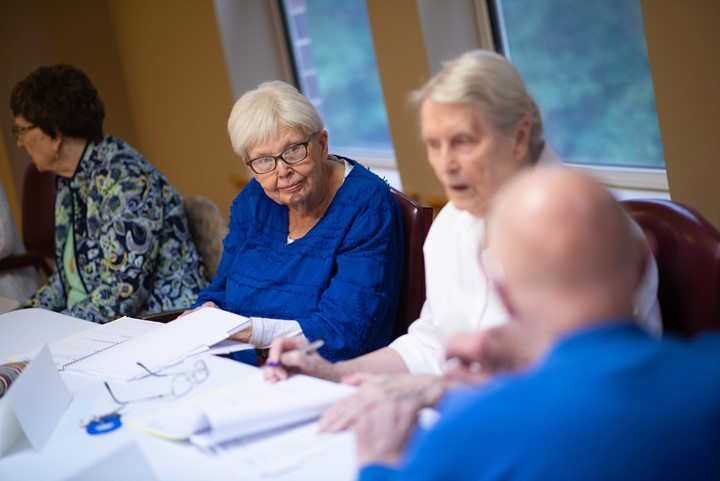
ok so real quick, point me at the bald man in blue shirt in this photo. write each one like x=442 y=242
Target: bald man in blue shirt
x=606 y=402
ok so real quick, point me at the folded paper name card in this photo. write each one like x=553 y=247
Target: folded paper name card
x=34 y=403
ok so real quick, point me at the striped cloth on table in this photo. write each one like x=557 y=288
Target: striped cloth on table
x=8 y=374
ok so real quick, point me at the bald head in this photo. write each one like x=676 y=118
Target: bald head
x=566 y=248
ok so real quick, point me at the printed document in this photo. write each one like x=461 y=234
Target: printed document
x=243 y=408
x=117 y=350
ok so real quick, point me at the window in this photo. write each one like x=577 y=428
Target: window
x=335 y=66
x=586 y=65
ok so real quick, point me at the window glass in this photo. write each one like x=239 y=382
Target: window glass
x=335 y=64
x=586 y=64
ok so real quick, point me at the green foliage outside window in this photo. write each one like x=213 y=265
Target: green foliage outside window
x=352 y=103
x=586 y=64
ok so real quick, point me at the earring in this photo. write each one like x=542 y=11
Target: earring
x=57 y=155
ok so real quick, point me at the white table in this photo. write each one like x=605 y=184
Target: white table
x=70 y=450
x=26 y=329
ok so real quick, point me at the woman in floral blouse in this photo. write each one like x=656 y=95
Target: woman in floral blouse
x=122 y=243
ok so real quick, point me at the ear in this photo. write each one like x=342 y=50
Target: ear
x=322 y=139
x=522 y=138
x=57 y=141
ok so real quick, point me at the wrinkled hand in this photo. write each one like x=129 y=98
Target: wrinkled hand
x=207 y=304
x=383 y=431
x=244 y=334
x=374 y=390
x=511 y=347
x=283 y=360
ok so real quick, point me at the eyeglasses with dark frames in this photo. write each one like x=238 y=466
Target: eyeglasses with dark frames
x=294 y=154
x=181 y=384
x=19 y=132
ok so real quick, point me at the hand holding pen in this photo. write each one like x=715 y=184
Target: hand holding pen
x=295 y=355
x=306 y=349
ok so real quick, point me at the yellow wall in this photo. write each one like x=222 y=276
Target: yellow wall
x=159 y=68
x=403 y=67
x=45 y=32
x=683 y=42
x=179 y=92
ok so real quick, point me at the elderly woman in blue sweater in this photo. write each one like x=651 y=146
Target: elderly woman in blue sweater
x=315 y=241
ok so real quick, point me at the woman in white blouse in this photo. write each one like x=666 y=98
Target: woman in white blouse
x=480 y=127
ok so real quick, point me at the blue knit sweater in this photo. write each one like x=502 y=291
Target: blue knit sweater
x=608 y=403
x=340 y=281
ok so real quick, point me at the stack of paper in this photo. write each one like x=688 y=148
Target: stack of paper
x=247 y=407
x=115 y=350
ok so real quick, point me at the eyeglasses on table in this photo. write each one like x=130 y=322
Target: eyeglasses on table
x=181 y=384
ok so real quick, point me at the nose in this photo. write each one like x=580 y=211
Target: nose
x=447 y=159
x=283 y=169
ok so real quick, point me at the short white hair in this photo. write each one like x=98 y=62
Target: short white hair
x=491 y=82
x=257 y=115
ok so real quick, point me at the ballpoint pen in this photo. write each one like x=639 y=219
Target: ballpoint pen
x=306 y=349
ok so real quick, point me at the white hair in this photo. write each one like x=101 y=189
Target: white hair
x=257 y=115
x=491 y=82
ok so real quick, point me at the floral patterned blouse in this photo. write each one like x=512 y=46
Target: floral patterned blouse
x=133 y=250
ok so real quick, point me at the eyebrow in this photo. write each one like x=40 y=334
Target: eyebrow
x=260 y=156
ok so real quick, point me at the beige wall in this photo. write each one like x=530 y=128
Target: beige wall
x=158 y=67
x=403 y=67
x=683 y=42
x=179 y=92
x=45 y=32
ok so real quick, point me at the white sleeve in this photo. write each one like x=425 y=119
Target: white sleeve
x=265 y=330
x=421 y=348
x=646 y=306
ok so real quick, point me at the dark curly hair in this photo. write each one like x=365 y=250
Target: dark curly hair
x=60 y=98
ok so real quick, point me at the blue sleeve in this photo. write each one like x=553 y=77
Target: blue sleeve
x=357 y=311
x=216 y=292
x=376 y=472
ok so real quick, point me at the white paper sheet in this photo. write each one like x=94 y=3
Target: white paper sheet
x=247 y=407
x=280 y=450
x=38 y=398
x=113 y=350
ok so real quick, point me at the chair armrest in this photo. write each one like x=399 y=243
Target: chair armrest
x=165 y=316
x=30 y=259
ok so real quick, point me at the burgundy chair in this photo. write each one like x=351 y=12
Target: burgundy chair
x=38 y=222
x=687 y=252
x=416 y=222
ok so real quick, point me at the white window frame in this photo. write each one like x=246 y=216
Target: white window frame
x=641 y=182
x=371 y=158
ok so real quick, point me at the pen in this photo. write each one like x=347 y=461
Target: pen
x=306 y=349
